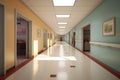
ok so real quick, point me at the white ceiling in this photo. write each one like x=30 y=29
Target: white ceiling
x=47 y=12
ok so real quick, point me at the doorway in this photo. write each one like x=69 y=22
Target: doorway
x=73 y=39
x=2 y=40
x=61 y=38
x=23 y=39
x=86 y=39
x=51 y=39
x=45 y=36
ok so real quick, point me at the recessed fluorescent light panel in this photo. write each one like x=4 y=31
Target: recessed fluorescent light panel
x=62 y=23
x=62 y=16
x=61 y=30
x=63 y=2
x=62 y=27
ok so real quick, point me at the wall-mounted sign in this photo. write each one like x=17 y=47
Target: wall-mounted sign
x=38 y=32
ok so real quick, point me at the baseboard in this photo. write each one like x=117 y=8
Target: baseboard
x=14 y=69
x=10 y=69
x=114 y=72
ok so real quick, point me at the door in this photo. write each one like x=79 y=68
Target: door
x=61 y=39
x=53 y=38
x=86 y=38
x=2 y=39
x=73 y=39
x=23 y=39
x=45 y=39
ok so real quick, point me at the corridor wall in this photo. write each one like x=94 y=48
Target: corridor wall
x=17 y=5
x=108 y=55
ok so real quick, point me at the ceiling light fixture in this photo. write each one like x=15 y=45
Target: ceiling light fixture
x=62 y=22
x=62 y=16
x=63 y=2
x=62 y=27
x=61 y=30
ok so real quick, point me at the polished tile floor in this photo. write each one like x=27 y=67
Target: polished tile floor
x=62 y=62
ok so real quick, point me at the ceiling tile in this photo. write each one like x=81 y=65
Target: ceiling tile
x=46 y=11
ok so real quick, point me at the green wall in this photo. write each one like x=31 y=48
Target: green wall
x=108 y=55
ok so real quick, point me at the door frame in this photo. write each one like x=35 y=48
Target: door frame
x=83 y=35
x=81 y=40
x=29 y=35
x=4 y=39
x=45 y=39
x=73 y=38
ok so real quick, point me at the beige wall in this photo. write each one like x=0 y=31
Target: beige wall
x=11 y=6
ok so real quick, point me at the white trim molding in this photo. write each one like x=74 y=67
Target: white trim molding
x=106 y=44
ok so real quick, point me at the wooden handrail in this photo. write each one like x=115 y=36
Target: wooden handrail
x=106 y=44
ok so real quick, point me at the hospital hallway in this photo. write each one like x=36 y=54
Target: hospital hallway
x=62 y=62
x=59 y=39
